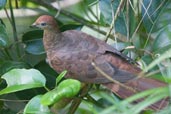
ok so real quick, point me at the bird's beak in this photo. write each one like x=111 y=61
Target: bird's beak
x=33 y=25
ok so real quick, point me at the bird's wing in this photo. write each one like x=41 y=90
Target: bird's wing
x=93 y=44
x=77 y=53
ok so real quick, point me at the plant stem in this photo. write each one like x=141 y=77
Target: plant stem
x=14 y=28
x=16 y=4
x=47 y=89
x=90 y=98
x=76 y=102
x=75 y=105
x=13 y=21
x=112 y=25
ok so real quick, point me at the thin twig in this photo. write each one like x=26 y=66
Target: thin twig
x=111 y=79
x=132 y=6
x=138 y=26
x=8 y=100
x=114 y=19
x=6 y=12
x=127 y=20
x=13 y=21
x=14 y=28
x=158 y=7
x=146 y=10
x=151 y=29
x=76 y=102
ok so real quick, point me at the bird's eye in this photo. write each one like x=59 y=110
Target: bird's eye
x=43 y=24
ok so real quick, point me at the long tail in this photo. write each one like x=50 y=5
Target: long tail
x=141 y=85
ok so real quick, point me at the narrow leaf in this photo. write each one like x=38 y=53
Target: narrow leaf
x=61 y=75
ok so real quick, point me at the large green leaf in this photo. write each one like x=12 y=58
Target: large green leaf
x=35 y=107
x=33 y=41
x=4 y=41
x=21 y=79
x=2 y=3
x=106 y=11
x=66 y=89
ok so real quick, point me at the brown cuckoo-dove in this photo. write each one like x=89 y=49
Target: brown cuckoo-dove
x=75 y=52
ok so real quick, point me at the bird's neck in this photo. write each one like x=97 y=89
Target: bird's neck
x=51 y=38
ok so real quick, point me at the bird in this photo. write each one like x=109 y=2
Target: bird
x=82 y=55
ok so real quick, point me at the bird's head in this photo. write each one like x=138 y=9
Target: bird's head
x=45 y=22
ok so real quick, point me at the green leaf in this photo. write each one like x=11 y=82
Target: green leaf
x=5 y=66
x=106 y=11
x=4 y=41
x=66 y=89
x=33 y=41
x=2 y=3
x=163 y=41
x=61 y=75
x=165 y=67
x=35 y=107
x=31 y=35
x=154 y=95
x=155 y=19
x=164 y=56
x=35 y=47
x=21 y=79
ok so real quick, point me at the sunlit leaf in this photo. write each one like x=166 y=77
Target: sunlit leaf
x=66 y=89
x=21 y=79
x=35 y=107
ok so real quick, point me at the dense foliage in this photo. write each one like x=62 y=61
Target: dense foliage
x=140 y=29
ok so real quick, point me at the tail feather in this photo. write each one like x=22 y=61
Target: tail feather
x=140 y=85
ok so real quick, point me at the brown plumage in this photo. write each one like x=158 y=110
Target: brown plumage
x=75 y=51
